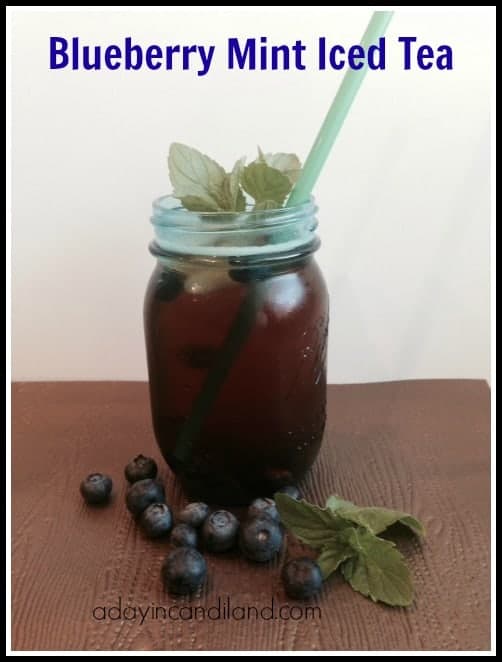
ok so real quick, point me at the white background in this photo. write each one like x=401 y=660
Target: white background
x=404 y=197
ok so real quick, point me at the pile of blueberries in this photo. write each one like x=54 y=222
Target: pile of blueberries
x=184 y=570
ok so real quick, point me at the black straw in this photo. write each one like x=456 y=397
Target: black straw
x=239 y=332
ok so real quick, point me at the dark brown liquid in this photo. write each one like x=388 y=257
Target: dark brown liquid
x=265 y=426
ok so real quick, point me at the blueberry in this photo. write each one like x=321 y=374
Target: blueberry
x=290 y=490
x=140 y=468
x=301 y=578
x=264 y=507
x=251 y=274
x=219 y=531
x=184 y=535
x=142 y=493
x=96 y=488
x=260 y=539
x=156 y=520
x=194 y=514
x=183 y=571
x=169 y=285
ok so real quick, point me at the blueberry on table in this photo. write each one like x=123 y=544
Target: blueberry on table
x=183 y=571
x=96 y=488
x=139 y=468
x=194 y=514
x=264 y=508
x=290 y=490
x=260 y=539
x=156 y=520
x=302 y=578
x=184 y=535
x=142 y=493
x=219 y=531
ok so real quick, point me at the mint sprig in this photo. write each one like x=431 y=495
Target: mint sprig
x=288 y=164
x=346 y=536
x=203 y=185
x=375 y=519
x=232 y=190
x=377 y=570
x=334 y=552
x=197 y=180
x=266 y=185
x=315 y=526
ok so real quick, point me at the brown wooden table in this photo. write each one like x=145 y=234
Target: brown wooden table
x=420 y=446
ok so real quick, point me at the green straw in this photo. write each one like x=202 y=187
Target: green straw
x=336 y=114
x=244 y=321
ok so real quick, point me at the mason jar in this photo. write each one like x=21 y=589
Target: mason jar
x=236 y=323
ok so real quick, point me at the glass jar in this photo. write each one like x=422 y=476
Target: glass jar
x=236 y=323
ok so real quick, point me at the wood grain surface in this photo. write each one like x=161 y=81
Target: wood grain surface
x=418 y=446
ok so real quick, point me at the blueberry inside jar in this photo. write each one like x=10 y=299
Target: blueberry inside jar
x=236 y=322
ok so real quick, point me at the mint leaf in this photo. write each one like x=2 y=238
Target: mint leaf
x=312 y=525
x=289 y=164
x=194 y=203
x=334 y=553
x=266 y=204
x=347 y=568
x=377 y=570
x=233 y=197
x=335 y=502
x=197 y=180
x=264 y=183
x=373 y=518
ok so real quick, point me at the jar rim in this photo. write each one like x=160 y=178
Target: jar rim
x=167 y=211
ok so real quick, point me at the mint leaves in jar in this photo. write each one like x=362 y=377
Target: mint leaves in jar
x=348 y=540
x=203 y=185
